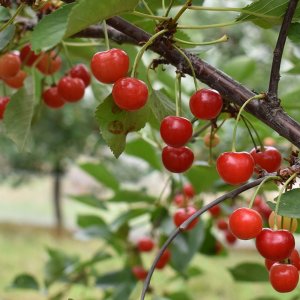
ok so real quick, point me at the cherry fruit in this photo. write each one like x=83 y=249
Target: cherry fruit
x=176 y=131
x=82 y=72
x=49 y=63
x=10 y=65
x=52 y=98
x=215 y=211
x=110 y=65
x=182 y=214
x=164 y=259
x=145 y=244
x=71 y=89
x=211 y=140
x=188 y=190
x=17 y=81
x=269 y=159
x=139 y=272
x=222 y=224
x=245 y=223
x=206 y=104
x=3 y=102
x=181 y=200
x=287 y=223
x=235 y=167
x=230 y=238
x=27 y=56
x=177 y=160
x=275 y=245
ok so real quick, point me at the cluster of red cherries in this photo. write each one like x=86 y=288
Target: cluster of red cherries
x=145 y=245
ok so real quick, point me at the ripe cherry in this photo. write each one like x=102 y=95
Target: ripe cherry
x=268 y=159
x=215 y=211
x=294 y=259
x=269 y=263
x=10 y=65
x=261 y=207
x=145 y=244
x=110 y=65
x=275 y=245
x=176 y=131
x=49 y=63
x=181 y=200
x=211 y=140
x=52 y=98
x=188 y=190
x=3 y=102
x=82 y=72
x=235 y=167
x=222 y=224
x=230 y=238
x=71 y=89
x=287 y=223
x=206 y=104
x=139 y=272
x=163 y=260
x=27 y=56
x=17 y=81
x=245 y=223
x=177 y=160
x=130 y=93
x=284 y=277
x=182 y=214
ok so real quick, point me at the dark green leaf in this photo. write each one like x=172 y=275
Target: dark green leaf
x=51 y=29
x=145 y=151
x=89 y=200
x=289 y=205
x=101 y=174
x=4 y=14
x=6 y=36
x=180 y=295
x=209 y=244
x=294 y=33
x=113 y=279
x=25 y=281
x=132 y=197
x=250 y=272
x=115 y=123
x=89 y=220
x=19 y=113
x=89 y=12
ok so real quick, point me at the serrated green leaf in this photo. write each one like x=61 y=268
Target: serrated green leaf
x=85 y=221
x=289 y=205
x=89 y=12
x=51 y=29
x=90 y=200
x=101 y=174
x=250 y=272
x=7 y=35
x=18 y=115
x=25 y=281
x=131 y=196
x=115 y=123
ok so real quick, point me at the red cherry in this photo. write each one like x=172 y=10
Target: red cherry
x=130 y=93
x=52 y=98
x=188 y=190
x=230 y=238
x=275 y=245
x=177 y=160
x=181 y=200
x=110 y=65
x=164 y=259
x=145 y=244
x=49 y=63
x=268 y=159
x=235 y=167
x=295 y=259
x=17 y=81
x=269 y=263
x=10 y=65
x=284 y=277
x=182 y=214
x=261 y=207
x=215 y=211
x=27 y=56
x=3 y=102
x=71 y=89
x=176 y=131
x=139 y=272
x=222 y=224
x=206 y=104
x=245 y=223
x=82 y=72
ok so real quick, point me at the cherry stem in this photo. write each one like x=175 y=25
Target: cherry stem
x=163 y=5
x=209 y=26
x=148 y=77
x=89 y=44
x=259 y=187
x=158 y=18
x=222 y=39
x=257 y=97
x=181 y=11
x=210 y=144
x=157 y=202
x=178 y=94
x=198 y=132
x=67 y=54
x=143 y=49
x=106 y=35
x=169 y=7
x=279 y=197
x=249 y=130
x=11 y=20
x=190 y=65
x=147 y=7
x=185 y=224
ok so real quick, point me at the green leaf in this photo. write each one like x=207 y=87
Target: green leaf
x=6 y=36
x=51 y=29
x=115 y=123
x=101 y=174
x=250 y=272
x=131 y=196
x=85 y=221
x=4 y=14
x=25 y=281
x=289 y=205
x=144 y=150
x=19 y=113
x=208 y=246
x=180 y=295
x=113 y=279
x=294 y=33
x=89 y=12
x=90 y=200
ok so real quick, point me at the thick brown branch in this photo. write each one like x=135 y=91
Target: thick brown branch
x=231 y=90
x=278 y=51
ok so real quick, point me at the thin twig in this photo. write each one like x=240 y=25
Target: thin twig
x=278 y=51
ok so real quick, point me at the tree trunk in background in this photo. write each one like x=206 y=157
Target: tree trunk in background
x=57 y=196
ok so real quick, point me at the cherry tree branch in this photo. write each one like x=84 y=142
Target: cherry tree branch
x=278 y=51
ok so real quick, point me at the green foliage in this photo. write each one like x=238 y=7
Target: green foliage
x=25 y=281
x=6 y=36
x=250 y=272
